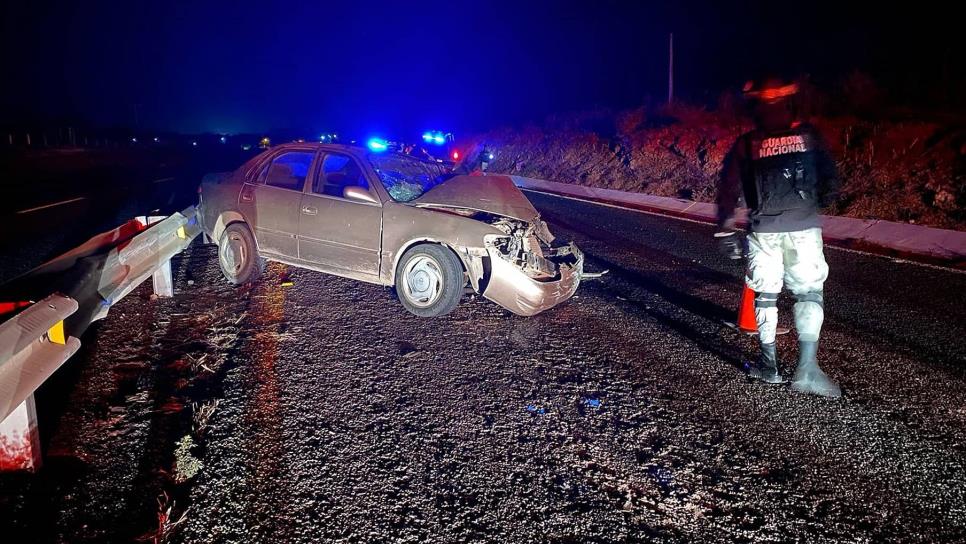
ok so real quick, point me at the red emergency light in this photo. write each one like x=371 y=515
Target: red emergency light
x=10 y=307
x=456 y=155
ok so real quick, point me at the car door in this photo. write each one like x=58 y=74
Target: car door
x=335 y=231
x=271 y=203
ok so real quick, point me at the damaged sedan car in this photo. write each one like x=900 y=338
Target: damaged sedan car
x=388 y=219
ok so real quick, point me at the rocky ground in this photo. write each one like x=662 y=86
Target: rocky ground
x=322 y=412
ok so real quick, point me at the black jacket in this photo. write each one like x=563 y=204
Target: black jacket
x=749 y=169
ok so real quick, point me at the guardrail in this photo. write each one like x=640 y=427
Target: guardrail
x=86 y=281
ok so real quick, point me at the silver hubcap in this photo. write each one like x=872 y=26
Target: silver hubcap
x=422 y=281
x=233 y=254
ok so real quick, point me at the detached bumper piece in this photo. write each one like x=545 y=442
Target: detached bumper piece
x=513 y=289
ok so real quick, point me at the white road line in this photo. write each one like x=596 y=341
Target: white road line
x=619 y=207
x=45 y=206
x=679 y=218
x=162 y=180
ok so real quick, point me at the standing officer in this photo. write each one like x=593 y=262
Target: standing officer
x=786 y=176
x=485 y=157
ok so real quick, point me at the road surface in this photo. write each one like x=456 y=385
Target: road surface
x=56 y=199
x=620 y=416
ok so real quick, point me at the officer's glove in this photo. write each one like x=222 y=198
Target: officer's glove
x=729 y=244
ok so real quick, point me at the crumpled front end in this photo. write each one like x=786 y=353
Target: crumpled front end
x=512 y=288
x=527 y=272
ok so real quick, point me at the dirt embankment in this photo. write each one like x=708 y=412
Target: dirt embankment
x=899 y=170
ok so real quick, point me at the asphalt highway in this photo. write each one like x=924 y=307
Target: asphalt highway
x=61 y=198
x=622 y=415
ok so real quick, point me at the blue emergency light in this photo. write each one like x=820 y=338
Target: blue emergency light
x=377 y=144
x=434 y=137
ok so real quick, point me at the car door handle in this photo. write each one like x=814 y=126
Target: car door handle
x=310 y=210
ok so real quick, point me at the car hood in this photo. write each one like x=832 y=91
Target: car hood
x=492 y=194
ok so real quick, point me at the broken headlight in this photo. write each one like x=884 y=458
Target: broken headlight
x=521 y=247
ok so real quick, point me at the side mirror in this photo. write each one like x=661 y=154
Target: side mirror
x=358 y=194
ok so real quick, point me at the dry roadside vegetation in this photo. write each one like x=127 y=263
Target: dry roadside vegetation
x=899 y=170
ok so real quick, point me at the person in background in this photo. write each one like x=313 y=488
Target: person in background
x=786 y=175
x=485 y=157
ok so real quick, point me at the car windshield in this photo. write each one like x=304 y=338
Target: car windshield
x=406 y=178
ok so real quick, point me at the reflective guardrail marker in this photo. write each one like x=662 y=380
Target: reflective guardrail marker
x=56 y=334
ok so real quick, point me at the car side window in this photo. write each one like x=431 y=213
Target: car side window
x=338 y=171
x=288 y=170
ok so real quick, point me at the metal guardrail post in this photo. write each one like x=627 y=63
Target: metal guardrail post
x=161 y=279
x=20 y=439
x=32 y=346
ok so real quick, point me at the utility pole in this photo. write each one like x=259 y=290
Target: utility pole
x=670 y=69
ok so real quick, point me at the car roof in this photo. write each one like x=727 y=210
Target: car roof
x=359 y=150
x=317 y=145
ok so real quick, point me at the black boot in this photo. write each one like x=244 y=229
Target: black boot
x=766 y=369
x=809 y=378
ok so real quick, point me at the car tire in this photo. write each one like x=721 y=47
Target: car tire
x=429 y=280
x=238 y=255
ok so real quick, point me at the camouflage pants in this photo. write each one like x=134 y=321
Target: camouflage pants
x=795 y=260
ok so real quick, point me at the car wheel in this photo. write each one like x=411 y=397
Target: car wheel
x=238 y=255
x=429 y=280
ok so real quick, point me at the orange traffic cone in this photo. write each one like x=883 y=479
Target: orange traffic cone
x=746 y=312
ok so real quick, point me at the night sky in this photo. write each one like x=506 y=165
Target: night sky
x=391 y=67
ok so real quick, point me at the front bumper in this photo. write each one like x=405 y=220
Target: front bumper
x=509 y=287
